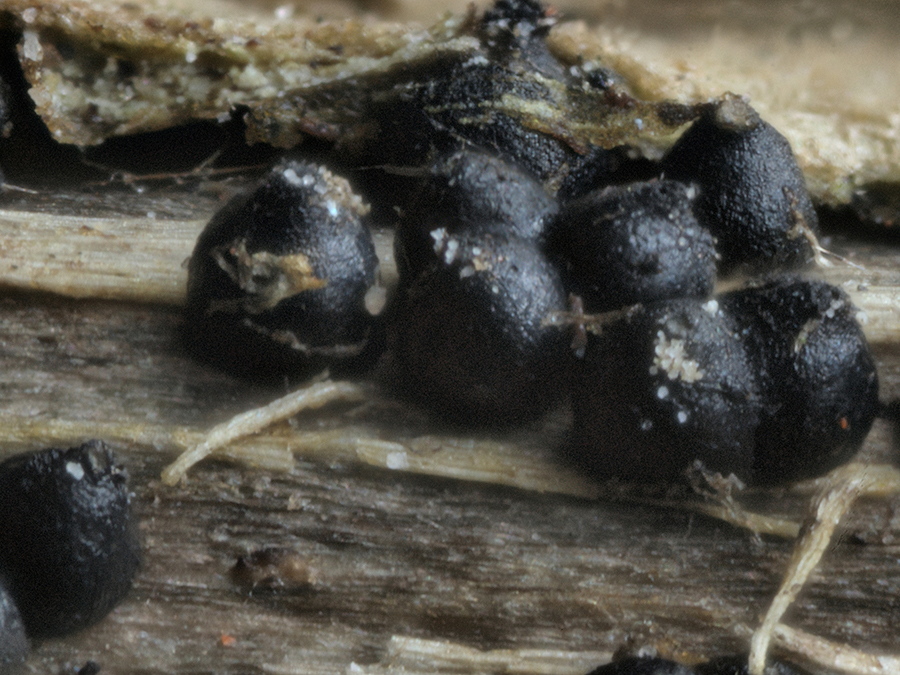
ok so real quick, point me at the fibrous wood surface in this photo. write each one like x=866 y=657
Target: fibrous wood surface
x=424 y=550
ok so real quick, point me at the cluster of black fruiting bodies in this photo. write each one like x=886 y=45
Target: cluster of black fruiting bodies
x=499 y=229
x=68 y=544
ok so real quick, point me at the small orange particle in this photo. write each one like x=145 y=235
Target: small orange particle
x=844 y=423
x=227 y=640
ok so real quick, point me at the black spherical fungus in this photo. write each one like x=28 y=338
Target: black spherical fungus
x=278 y=279
x=634 y=243
x=467 y=339
x=817 y=376
x=642 y=665
x=728 y=665
x=738 y=665
x=752 y=195
x=69 y=543
x=470 y=192
x=667 y=384
x=773 y=383
x=13 y=641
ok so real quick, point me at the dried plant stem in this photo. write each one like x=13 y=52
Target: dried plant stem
x=254 y=421
x=834 y=656
x=757 y=523
x=843 y=487
x=427 y=656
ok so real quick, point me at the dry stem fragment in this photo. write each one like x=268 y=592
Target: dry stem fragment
x=843 y=487
x=256 y=420
x=831 y=655
x=415 y=655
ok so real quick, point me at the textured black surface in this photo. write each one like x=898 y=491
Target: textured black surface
x=635 y=243
x=69 y=543
x=738 y=665
x=752 y=194
x=298 y=209
x=816 y=373
x=470 y=192
x=13 y=642
x=641 y=665
x=669 y=384
x=467 y=341
x=727 y=665
x=455 y=104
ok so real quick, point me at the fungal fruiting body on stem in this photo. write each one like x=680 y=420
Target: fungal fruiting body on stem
x=69 y=542
x=466 y=339
x=752 y=195
x=278 y=279
x=773 y=383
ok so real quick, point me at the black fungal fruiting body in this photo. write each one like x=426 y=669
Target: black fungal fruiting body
x=460 y=108
x=774 y=384
x=752 y=195
x=464 y=101
x=13 y=641
x=729 y=665
x=642 y=665
x=466 y=339
x=635 y=243
x=278 y=279
x=69 y=544
x=817 y=377
x=470 y=192
x=739 y=665
x=668 y=384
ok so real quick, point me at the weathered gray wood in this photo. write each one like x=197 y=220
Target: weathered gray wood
x=408 y=573
x=393 y=555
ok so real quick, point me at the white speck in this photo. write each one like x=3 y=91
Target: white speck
x=477 y=60
x=646 y=425
x=662 y=392
x=495 y=289
x=29 y=15
x=833 y=308
x=284 y=12
x=332 y=207
x=682 y=242
x=670 y=357
x=691 y=192
x=75 y=470
x=639 y=123
x=476 y=251
x=439 y=236
x=151 y=214
x=862 y=317
x=711 y=307
x=450 y=251
x=31 y=46
x=375 y=300
x=397 y=460
x=291 y=177
x=190 y=57
x=682 y=417
x=466 y=271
